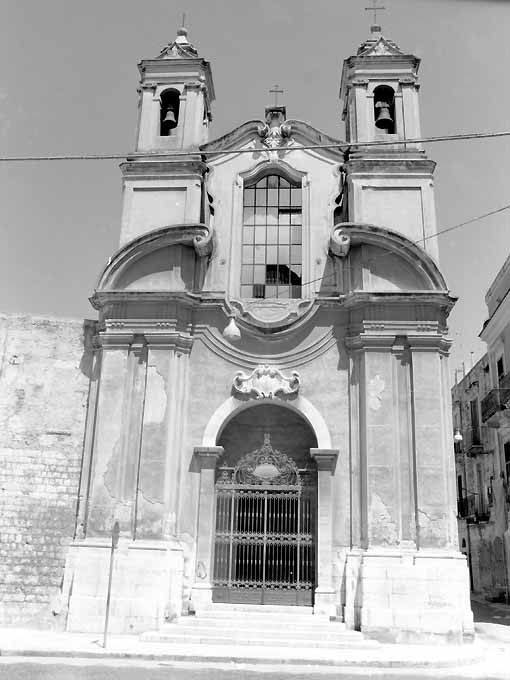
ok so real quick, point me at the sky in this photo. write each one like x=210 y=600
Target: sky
x=68 y=86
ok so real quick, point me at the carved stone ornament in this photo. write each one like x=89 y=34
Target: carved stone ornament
x=265 y=382
x=274 y=137
x=266 y=466
x=339 y=242
x=277 y=314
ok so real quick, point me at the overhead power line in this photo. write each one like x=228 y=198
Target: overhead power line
x=340 y=145
x=426 y=238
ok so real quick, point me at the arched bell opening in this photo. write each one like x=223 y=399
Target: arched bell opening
x=266 y=509
x=384 y=109
x=169 y=112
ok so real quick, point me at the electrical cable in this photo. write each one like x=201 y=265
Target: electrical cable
x=340 y=145
x=421 y=240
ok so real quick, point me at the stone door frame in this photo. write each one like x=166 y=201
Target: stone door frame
x=206 y=457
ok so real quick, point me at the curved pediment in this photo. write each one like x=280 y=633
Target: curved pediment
x=382 y=260
x=299 y=133
x=164 y=259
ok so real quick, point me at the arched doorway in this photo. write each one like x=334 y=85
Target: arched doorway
x=266 y=509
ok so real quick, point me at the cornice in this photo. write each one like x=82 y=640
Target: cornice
x=497 y=323
x=181 y=69
x=359 y=299
x=121 y=335
x=145 y=165
x=386 y=342
x=396 y=163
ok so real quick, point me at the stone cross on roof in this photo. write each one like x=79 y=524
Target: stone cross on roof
x=375 y=27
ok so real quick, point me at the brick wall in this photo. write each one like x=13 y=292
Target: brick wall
x=44 y=382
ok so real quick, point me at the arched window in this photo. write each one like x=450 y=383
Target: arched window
x=384 y=109
x=169 y=112
x=272 y=236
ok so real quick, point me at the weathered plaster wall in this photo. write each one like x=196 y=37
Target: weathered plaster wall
x=487 y=558
x=44 y=381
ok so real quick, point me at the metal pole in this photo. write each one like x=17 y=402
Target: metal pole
x=468 y=534
x=115 y=543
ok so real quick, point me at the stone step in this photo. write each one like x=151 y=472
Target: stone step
x=218 y=607
x=298 y=627
x=330 y=633
x=259 y=613
x=264 y=619
x=347 y=641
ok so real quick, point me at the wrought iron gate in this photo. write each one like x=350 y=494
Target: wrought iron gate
x=265 y=531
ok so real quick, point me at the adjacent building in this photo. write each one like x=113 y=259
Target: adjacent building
x=480 y=538
x=263 y=404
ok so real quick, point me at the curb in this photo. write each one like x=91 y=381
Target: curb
x=246 y=659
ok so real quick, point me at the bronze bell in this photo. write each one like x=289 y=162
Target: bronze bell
x=169 y=119
x=384 y=119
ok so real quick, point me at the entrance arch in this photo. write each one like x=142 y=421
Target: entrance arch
x=232 y=406
x=266 y=509
x=206 y=457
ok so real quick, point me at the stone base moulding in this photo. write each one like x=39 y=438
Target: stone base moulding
x=147 y=585
x=410 y=597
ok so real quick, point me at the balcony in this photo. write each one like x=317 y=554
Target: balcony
x=498 y=399
x=473 y=508
x=474 y=440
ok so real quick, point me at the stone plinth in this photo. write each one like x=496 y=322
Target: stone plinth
x=146 y=585
x=415 y=597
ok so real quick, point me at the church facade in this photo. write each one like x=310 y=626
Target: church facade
x=268 y=414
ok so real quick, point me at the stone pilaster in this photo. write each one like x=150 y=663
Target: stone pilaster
x=160 y=466
x=404 y=442
x=435 y=481
x=379 y=470
x=325 y=597
x=105 y=505
x=206 y=459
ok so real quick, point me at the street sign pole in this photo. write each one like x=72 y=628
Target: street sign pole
x=115 y=543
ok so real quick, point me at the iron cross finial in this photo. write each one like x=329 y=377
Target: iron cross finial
x=374 y=9
x=267 y=439
x=184 y=19
x=276 y=90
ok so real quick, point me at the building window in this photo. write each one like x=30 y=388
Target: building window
x=272 y=237
x=501 y=368
x=475 y=423
x=507 y=460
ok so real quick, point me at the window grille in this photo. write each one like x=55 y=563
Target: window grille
x=272 y=239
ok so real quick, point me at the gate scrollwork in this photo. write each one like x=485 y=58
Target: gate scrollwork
x=266 y=466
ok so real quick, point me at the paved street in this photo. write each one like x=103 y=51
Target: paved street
x=130 y=670
x=493 y=632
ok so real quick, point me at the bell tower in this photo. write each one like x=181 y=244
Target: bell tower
x=176 y=91
x=389 y=184
x=380 y=92
x=162 y=187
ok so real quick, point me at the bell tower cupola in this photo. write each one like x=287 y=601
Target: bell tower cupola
x=379 y=90
x=176 y=92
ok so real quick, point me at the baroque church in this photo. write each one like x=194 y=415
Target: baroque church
x=268 y=410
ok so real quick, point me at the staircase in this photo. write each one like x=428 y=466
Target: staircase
x=250 y=632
